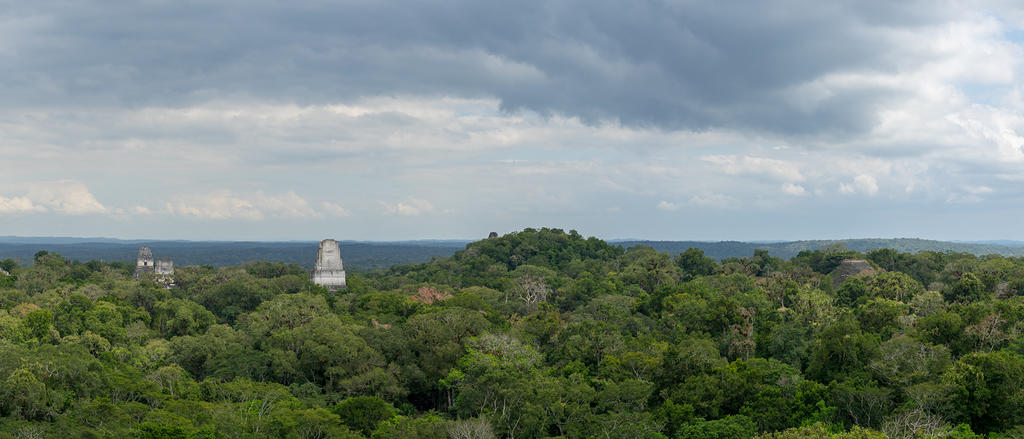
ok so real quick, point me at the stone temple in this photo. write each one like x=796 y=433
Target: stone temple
x=162 y=269
x=328 y=270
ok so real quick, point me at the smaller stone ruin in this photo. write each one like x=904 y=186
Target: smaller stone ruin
x=161 y=270
x=328 y=270
x=849 y=268
x=164 y=267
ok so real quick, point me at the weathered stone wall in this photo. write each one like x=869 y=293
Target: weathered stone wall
x=164 y=267
x=144 y=262
x=850 y=268
x=145 y=257
x=328 y=269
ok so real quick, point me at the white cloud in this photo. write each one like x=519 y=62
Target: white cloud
x=224 y=204
x=335 y=210
x=862 y=184
x=410 y=207
x=969 y=194
x=19 y=205
x=748 y=165
x=665 y=205
x=793 y=189
x=66 y=197
x=718 y=201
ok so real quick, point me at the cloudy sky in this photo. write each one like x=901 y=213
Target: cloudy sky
x=380 y=120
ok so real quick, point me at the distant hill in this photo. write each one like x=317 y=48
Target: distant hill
x=786 y=250
x=358 y=256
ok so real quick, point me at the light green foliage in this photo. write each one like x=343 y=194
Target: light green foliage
x=813 y=307
x=881 y=316
x=39 y=323
x=499 y=378
x=174 y=381
x=893 y=285
x=904 y=361
x=821 y=431
x=429 y=426
x=926 y=303
x=173 y=317
x=11 y=328
x=649 y=269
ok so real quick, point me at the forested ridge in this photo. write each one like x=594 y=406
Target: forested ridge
x=540 y=333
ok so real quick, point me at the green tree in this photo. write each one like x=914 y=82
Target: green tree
x=23 y=396
x=821 y=431
x=729 y=427
x=893 y=285
x=966 y=289
x=363 y=413
x=693 y=264
x=181 y=317
x=841 y=349
x=851 y=290
x=38 y=323
x=987 y=388
x=501 y=379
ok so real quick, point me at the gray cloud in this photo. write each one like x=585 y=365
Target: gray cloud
x=710 y=120
x=685 y=65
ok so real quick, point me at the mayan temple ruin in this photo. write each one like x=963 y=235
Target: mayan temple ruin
x=328 y=270
x=162 y=269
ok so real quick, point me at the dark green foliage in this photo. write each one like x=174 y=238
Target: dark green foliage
x=942 y=327
x=235 y=297
x=989 y=389
x=826 y=259
x=363 y=413
x=149 y=430
x=8 y=265
x=851 y=291
x=729 y=427
x=841 y=349
x=967 y=289
x=693 y=263
x=268 y=270
x=38 y=324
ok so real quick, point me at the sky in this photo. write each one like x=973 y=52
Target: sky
x=372 y=120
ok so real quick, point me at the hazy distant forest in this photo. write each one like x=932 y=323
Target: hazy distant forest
x=540 y=333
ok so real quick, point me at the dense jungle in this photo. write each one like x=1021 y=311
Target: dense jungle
x=539 y=333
